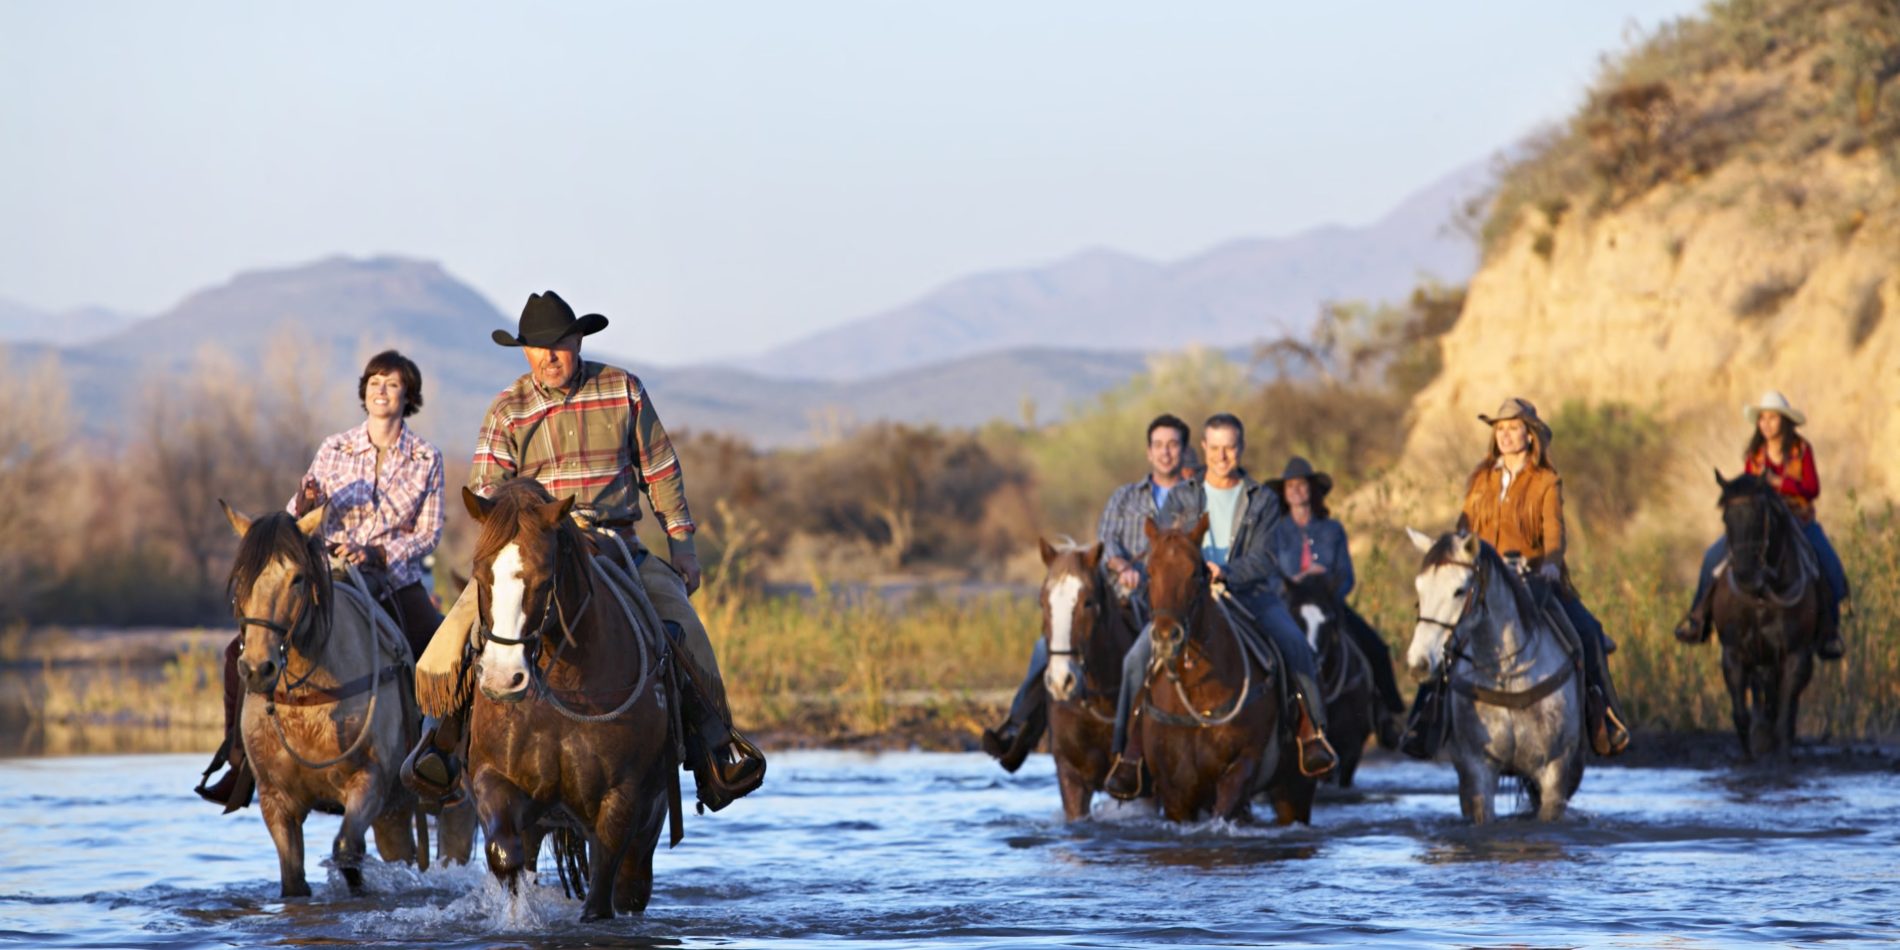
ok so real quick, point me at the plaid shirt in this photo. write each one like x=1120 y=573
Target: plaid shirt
x=600 y=442
x=401 y=511
x=1121 y=530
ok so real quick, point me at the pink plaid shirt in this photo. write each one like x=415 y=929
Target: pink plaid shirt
x=401 y=512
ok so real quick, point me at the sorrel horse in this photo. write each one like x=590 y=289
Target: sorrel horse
x=573 y=724
x=1211 y=726
x=1767 y=611
x=1345 y=673
x=1088 y=634
x=326 y=719
x=1512 y=687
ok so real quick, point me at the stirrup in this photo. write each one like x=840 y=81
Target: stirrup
x=1610 y=736
x=713 y=787
x=1693 y=629
x=1119 y=789
x=431 y=773
x=1332 y=757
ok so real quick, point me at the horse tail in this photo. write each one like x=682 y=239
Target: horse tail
x=570 y=862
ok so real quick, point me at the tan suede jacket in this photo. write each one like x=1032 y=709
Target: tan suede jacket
x=1529 y=519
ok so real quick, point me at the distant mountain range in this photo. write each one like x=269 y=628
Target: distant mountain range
x=1237 y=293
x=983 y=348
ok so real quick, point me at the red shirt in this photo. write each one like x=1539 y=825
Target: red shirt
x=1800 y=483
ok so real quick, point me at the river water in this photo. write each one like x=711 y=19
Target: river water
x=846 y=849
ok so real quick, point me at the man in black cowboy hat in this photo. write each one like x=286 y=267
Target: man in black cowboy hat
x=589 y=431
x=1309 y=542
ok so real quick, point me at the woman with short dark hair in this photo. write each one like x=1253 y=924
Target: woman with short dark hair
x=382 y=484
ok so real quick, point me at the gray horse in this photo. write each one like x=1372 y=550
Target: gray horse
x=1515 y=702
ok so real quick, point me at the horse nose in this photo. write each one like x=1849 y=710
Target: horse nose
x=1065 y=684
x=1421 y=669
x=258 y=678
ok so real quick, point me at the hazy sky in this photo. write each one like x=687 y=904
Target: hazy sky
x=718 y=178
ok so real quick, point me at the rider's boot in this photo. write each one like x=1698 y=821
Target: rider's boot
x=1694 y=627
x=726 y=766
x=1129 y=779
x=234 y=788
x=1011 y=742
x=1830 y=646
x=1608 y=734
x=1317 y=757
x=433 y=766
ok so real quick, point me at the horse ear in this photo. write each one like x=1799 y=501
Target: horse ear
x=1200 y=529
x=552 y=512
x=1719 y=480
x=1468 y=545
x=1093 y=559
x=1422 y=542
x=1464 y=524
x=478 y=507
x=240 y=522
x=312 y=520
x=1148 y=528
x=1048 y=552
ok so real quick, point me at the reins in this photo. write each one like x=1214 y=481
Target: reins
x=358 y=591
x=1476 y=608
x=1803 y=575
x=1196 y=718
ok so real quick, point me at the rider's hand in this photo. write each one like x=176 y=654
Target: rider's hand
x=1128 y=579
x=1213 y=571
x=309 y=496
x=1551 y=571
x=687 y=563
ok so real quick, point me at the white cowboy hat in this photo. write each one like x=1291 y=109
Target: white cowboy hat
x=1772 y=401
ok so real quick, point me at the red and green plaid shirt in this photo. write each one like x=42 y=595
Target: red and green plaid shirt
x=600 y=442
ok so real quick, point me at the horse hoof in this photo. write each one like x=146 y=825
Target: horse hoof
x=299 y=889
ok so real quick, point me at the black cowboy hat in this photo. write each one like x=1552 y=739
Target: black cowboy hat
x=545 y=319
x=1298 y=467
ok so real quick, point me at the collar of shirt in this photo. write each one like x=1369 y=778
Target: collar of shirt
x=1504 y=481
x=407 y=443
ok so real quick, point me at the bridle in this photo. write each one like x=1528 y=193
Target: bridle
x=283 y=636
x=1767 y=569
x=552 y=615
x=1459 y=629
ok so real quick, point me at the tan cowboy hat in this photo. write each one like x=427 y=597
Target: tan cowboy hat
x=1773 y=401
x=1518 y=408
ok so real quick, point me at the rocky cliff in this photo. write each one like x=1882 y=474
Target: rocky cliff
x=1722 y=216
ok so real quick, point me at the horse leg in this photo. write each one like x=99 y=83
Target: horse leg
x=455 y=833
x=1764 y=724
x=1076 y=791
x=360 y=806
x=1232 y=798
x=285 y=818
x=1477 y=787
x=1737 y=681
x=633 y=884
x=502 y=810
x=612 y=834
x=1550 y=784
x=395 y=831
x=1795 y=670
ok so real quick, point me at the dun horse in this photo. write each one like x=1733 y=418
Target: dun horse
x=326 y=718
x=573 y=719
x=1345 y=674
x=1766 y=611
x=1511 y=684
x=1210 y=728
x=1088 y=634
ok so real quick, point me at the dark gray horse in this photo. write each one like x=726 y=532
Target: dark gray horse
x=1515 y=701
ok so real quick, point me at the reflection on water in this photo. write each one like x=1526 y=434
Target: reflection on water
x=846 y=849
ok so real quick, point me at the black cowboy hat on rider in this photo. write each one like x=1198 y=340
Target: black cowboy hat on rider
x=1309 y=542
x=1514 y=500
x=1778 y=454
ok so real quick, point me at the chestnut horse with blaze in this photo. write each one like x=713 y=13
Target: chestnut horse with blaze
x=1211 y=726
x=572 y=723
x=1088 y=632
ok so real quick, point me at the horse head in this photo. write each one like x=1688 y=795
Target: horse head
x=1750 y=507
x=1314 y=608
x=1177 y=584
x=518 y=573
x=1446 y=578
x=1072 y=601
x=280 y=591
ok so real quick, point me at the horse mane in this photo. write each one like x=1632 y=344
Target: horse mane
x=273 y=536
x=1442 y=553
x=514 y=518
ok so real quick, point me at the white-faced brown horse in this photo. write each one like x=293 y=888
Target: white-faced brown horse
x=326 y=717
x=1345 y=673
x=1088 y=634
x=1767 y=611
x=572 y=723
x=1211 y=726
